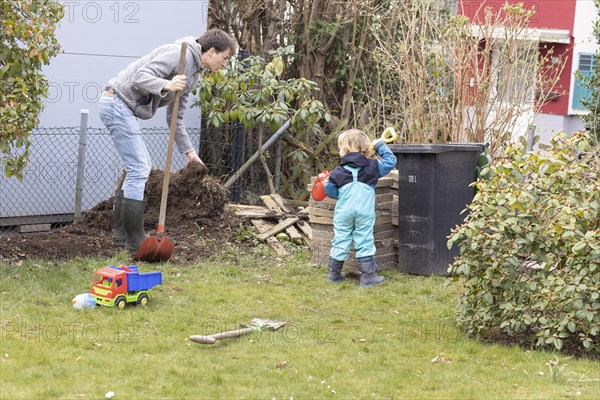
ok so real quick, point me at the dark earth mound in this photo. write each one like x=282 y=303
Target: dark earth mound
x=197 y=220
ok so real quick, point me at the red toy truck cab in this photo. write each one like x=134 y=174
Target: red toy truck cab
x=117 y=286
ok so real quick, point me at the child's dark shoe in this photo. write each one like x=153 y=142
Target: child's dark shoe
x=367 y=267
x=335 y=271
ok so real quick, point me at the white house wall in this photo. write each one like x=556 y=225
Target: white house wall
x=99 y=38
x=548 y=125
x=585 y=42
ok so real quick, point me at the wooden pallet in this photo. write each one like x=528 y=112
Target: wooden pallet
x=274 y=217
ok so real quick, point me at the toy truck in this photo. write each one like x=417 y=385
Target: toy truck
x=117 y=286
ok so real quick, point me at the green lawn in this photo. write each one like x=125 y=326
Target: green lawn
x=397 y=340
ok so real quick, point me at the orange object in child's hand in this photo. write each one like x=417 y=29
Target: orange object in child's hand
x=318 y=189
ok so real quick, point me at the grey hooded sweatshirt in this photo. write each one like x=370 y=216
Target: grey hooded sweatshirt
x=140 y=84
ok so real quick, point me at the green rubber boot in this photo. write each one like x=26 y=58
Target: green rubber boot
x=132 y=214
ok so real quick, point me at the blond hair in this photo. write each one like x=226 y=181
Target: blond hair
x=354 y=141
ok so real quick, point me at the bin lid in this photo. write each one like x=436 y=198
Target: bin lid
x=435 y=147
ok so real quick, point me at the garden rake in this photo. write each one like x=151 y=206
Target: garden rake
x=255 y=325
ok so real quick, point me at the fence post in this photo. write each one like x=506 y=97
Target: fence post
x=238 y=145
x=80 y=164
x=530 y=137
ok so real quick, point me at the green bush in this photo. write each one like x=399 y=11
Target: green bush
x=28 y=43
x=530 y=248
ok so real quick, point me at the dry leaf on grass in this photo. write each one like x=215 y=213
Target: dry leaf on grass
x=281 y=365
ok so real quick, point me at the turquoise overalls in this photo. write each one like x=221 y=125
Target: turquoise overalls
x=353 y=219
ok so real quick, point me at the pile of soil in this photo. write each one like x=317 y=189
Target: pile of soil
x=197 y=220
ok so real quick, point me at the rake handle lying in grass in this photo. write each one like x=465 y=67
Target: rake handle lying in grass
x=212 y=339
x=256 y=325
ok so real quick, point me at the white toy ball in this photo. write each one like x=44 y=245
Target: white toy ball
x=85 y=300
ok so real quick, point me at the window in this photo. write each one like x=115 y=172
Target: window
x=585 y=70
x=516 y=67
x=586 y=62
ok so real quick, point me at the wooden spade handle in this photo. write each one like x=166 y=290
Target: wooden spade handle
x=165 y=189
x=233 y=334
x=202 y=339
x=212 y=339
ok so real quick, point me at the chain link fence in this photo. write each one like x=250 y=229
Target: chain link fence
x=46 y=195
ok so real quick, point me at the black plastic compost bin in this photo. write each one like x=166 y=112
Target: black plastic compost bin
x=433 y=190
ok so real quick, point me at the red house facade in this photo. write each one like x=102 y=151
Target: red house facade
x=566 y=28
